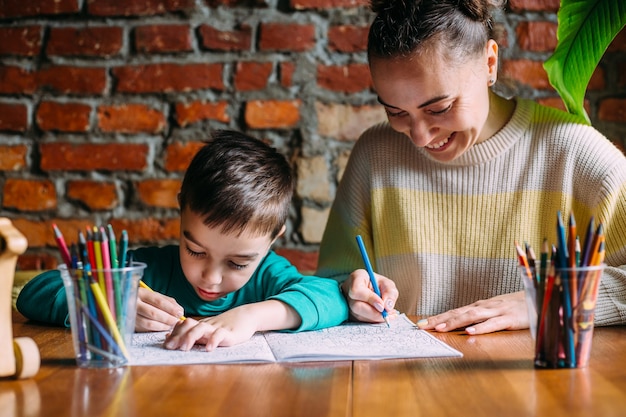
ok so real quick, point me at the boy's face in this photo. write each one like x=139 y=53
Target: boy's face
x=214 y=263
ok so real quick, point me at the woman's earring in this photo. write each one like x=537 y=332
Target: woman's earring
x=491 y=82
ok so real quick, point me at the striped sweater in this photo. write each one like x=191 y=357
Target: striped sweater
x=445 y=232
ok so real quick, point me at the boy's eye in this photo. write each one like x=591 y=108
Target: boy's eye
x=237 y=267
x=193 y=253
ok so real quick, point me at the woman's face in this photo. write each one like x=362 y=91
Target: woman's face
x=441 y=107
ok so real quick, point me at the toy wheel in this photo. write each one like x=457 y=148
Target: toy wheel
x=27 y=357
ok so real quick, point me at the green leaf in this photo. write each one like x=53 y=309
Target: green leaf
x=585 y=30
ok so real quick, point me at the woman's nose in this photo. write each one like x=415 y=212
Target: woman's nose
x=422 y=132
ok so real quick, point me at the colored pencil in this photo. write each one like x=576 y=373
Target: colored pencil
x=65 y=253
x=563 y=339
x=117 y=290
x=106 y=266
x=370 y=272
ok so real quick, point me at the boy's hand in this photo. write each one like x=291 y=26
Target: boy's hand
x=227 y=329
x=364 y=304
x=156 y=312
x=233 y=326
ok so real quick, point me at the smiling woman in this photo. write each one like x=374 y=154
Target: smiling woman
x=442 y=190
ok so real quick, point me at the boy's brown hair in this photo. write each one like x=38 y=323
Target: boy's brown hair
x=239 y=183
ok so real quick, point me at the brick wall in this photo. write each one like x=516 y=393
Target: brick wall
x=103 y=103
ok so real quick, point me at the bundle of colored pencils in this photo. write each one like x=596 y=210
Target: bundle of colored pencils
x=566 y=286
x=98 y=291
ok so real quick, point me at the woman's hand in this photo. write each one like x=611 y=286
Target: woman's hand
x=503 y=312
x=156 y=312
x=364 y=304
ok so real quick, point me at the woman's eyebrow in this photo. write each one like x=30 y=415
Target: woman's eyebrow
x=426 y=103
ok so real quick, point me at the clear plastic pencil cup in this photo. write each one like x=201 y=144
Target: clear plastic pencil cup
x=102 y=306
x=561 y=308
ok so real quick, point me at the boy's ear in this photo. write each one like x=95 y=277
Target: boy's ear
x=279 y=234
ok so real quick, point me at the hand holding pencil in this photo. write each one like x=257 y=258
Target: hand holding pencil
x=155 y=311
x=366 y=304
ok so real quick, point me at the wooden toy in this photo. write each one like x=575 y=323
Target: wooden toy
x=19 y=357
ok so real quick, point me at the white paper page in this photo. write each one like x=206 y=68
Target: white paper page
x=359 y=341
x=147 y=349
x=350 y=341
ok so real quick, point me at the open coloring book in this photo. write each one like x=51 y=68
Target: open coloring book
x=350 y=341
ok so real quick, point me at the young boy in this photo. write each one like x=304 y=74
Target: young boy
x=234 y=202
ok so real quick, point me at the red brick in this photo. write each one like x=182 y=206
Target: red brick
x=149 y=230
x=286 y=70
x=534 y=5
x=137 y=7
x=130 y=118
x=29 y=195
x=267 y=114
x=286 y=37
x=12 y=157
x=196 y=111
x=326 y=4
x=160 y=78
x=239 y=39
x=13 y=117
x=62 y=156
x=63 y=117
x=15 y=80
x=96 y=195
x=349 y=78
x=22 y=8
x=103 y=41
x=612 y=110
x=527 y=72
x=163 y=38
x=536 y=36
x=73 y=80
x=23 y=41
x=68 y=227
x=346 y=38
x=306 y=262
x=35 y=231
x=39 y=261
x=619 y=43
x=158 y=193
x=178 y=155
x=250 y=76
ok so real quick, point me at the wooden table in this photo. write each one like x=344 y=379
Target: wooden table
x=494 y=378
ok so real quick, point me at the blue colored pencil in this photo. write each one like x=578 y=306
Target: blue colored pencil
x=370 y=272
x=562 y=253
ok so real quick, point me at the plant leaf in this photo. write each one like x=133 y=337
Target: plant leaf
x=585 y=30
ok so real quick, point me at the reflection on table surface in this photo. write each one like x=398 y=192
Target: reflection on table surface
x=495 y=377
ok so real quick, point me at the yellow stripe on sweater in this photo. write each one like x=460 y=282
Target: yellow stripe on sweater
x=468 y=225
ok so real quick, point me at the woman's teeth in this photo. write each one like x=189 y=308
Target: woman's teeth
x=438 y=145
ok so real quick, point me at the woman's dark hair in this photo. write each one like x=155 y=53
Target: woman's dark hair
x=240 y=184
x=402 y=27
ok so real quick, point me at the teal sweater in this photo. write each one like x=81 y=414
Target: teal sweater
x=318 y=301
